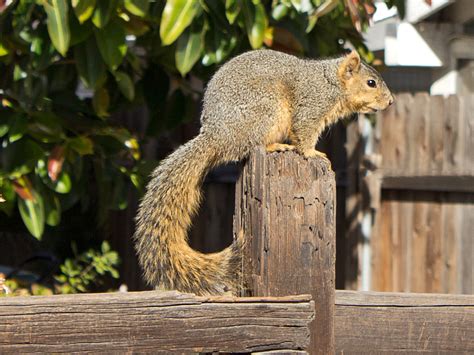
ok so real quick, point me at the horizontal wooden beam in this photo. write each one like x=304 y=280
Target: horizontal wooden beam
x=153 y=321
x=383 y=322
x=449 y=183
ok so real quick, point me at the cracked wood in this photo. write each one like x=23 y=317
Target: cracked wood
x=285 y=208
x=154 y=322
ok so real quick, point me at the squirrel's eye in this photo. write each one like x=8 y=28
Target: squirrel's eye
x=371 y=83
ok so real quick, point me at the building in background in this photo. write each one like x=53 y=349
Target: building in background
x=431 y=49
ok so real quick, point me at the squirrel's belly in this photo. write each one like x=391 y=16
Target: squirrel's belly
x=281 y=127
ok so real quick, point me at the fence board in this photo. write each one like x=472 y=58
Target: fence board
x=467 y=248
x=434 y=249
x=436 y=130
x=451 y=183
x=376 y=323
x=468 y=128
x=452 y=223
x=422 y=239
x=453 y=136
x=153 y=322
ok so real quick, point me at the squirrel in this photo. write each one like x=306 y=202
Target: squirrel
x=261 y=97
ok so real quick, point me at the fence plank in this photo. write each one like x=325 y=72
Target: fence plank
x=453 y=136
x=421 y=125
x=419 y=242
x=450 y=183
x=468 y=127
x=153 y=322
x=467 y=246
x=376 y=323
x=436 y=130
x=353 y=210
x=381 y=275
x=434 y=248
x=427 y=208
x=407 y=207
x=285 y=208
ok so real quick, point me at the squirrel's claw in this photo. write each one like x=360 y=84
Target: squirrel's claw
x=313 y=153
x=279 y=147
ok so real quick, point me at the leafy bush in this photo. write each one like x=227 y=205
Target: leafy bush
x=82 y=273
x=67 y=66
x=89 y=268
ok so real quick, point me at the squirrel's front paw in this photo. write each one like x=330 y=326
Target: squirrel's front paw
x=313 y=153
x=279 y=147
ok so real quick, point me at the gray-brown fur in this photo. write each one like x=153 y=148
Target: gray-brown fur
x=258 y=98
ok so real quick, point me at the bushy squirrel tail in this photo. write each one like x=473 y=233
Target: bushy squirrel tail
x=164 y=217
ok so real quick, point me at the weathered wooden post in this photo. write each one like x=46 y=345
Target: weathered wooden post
x=285 y=208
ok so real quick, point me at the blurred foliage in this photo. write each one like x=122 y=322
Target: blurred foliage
x=66 y=66
x=83 y=273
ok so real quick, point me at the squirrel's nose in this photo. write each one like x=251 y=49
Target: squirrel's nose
x=391 y=100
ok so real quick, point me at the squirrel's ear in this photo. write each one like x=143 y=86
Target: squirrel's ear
x=350 y=65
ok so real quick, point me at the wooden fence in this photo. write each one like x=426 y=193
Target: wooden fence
x=403 y=323
x=153 y=322
x=286 y=211
x=412 y=175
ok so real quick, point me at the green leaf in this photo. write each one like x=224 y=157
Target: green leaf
x=4 y=127
x=232 y=10
x=103 y=12
x=177 y=15
x=279 y=12
x=137 y=7
x=52 y=209
x=83 y=9
x=32 y=214
x=218 y=47
x=58 y=24
x=101 y=102
x=17 y=127
x=8 y=194
x=62 y=185
x=111 y=43
x=45 y=127
x=255 y=22
x=125 y=85
x=297 y=5
x=20 y=157
x=89 y=63
x=3 y=50
x=79 y=32
x=82 y=145
x=105 y=247
x=189 y=49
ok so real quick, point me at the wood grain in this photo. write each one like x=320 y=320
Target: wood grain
x=422 y=238
x=153 y=322
x=285 y=208
x=397 y=323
